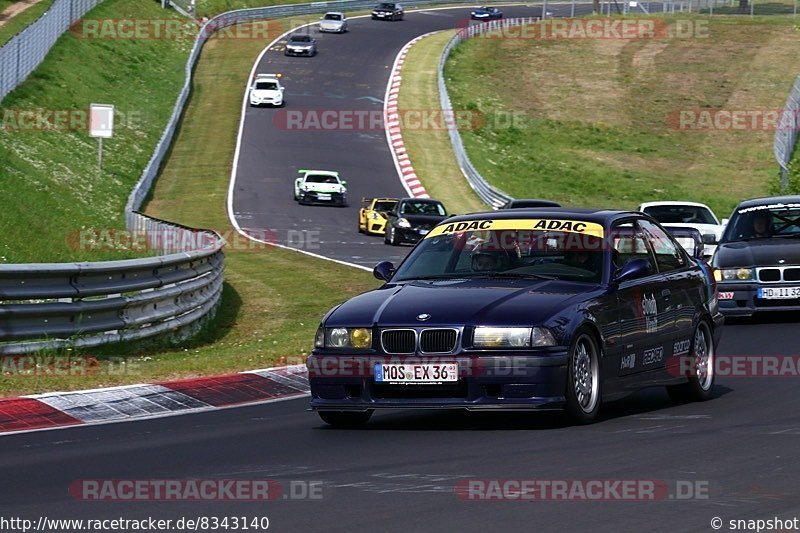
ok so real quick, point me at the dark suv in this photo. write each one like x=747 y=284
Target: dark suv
x=387 y=11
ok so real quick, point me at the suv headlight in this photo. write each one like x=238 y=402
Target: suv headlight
x=502 y=337
x=403 y=223
x=360 y=338
x=733 y=274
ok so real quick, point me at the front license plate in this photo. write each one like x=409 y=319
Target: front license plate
x=425 y=373
x=779 y=293
x=324 y=196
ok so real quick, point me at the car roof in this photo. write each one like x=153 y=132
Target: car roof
x=599 y=216
x=769 y=200
x=335 y=13
x=656 y=204
x=425 y=200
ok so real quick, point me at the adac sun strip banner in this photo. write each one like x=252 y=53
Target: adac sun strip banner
x=523 y=224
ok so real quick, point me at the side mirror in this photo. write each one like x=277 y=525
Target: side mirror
x=344 y=182
x=383 y=270
x=632 y=269
x=709 y=238
x=725 y=221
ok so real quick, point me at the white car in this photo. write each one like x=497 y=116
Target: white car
x=266 y=90
x=333 y=21
x=320 y=187
x=688 y=215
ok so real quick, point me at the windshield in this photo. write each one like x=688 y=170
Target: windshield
x=422 y=208
x=266 y=86
x=332 y=16
x=384 y=206
x=385 y=6
x=763 y=221
x=318 y=178
x=301 y=38
x=681 y=214
x=505 y=253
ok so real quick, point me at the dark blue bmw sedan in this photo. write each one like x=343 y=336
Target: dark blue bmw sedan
x=519 y=310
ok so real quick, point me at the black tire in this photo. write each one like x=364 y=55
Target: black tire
x=584 y=390
x=345 y=419
x=700 y=381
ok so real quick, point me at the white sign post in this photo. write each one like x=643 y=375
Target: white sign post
x=101 y=125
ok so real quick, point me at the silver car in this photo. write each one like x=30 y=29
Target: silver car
x=333 y=21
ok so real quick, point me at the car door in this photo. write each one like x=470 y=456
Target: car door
x=643 y=314
x=685 y=287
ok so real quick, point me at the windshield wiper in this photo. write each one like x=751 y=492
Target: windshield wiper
x=520 y=275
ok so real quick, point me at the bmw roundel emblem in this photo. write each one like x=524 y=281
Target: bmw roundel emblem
x=423 y=317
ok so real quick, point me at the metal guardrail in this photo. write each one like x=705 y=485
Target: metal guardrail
x=59 y=305
x=25 y=51
x=490 y=194
x=787 y=133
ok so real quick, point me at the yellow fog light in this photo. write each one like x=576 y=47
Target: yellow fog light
x=360 y=338
x=744 y=273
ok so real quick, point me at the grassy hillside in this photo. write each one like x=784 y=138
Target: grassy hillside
x=594 y=120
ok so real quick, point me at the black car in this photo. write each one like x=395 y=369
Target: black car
x=522 y=310
x=486 y=13
x=388 y=11
x=411 y=219
x=301 y=44
x=516 y=203
x=757 y=262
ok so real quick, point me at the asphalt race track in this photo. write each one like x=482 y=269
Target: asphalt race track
x=399 y=473
x=350 y=73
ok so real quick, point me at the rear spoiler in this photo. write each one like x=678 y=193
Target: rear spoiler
x=331 y=172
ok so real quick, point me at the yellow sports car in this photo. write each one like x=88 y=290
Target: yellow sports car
x=372 y=217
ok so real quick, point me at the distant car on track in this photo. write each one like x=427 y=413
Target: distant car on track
x=388 y=11
x=333 y=21
x=757 y=263
x=522 y=310
x=320 y=187
x=372 y=217
x=486 y=13
x=411 y=219
x=301 y=44
x=687 y=214
x=266 y=90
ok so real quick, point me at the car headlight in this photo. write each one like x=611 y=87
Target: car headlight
x=403 y=223
x=374 y=216
x=319 y=340
x=733 y=274
x=502 y=337
x=360 y=338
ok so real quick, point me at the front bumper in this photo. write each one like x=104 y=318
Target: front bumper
x=497 y=382
x=745 y=301
x=410 y=235
x=272 y=102
x=382 y=16
x=376 y=227
x=331 y=29
x=308 y=52
x=334 y=198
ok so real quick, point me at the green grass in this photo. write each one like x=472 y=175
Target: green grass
x=273 y=299
x=17 y=23
x=590 y=124
x=429 y=150
x=50 y=183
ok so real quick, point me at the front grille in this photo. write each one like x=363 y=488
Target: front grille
x=791 y=274
x=769 y=274
x=438 y=340
x=399 y=341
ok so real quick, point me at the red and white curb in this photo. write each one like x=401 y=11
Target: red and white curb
x=132 y=402
x=394 y=135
